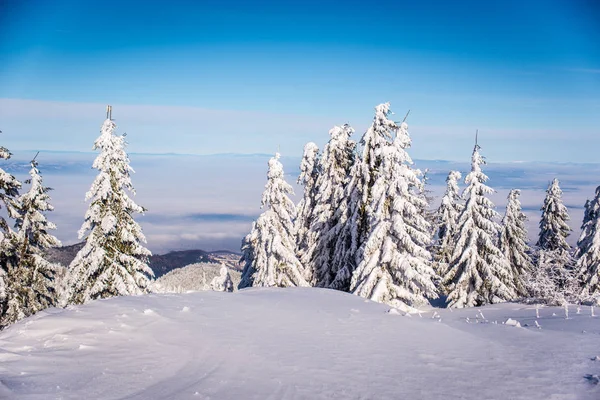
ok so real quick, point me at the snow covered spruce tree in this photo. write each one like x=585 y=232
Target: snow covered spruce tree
x=268 y=251
x=588 y=252
x=349 y=234
x=9 y=191
x=32 y=278
x=553 y=255
x=330 y=205
x=395 y=267
x=513 y=242
x=479 y=273
x=113 y=261
x=222 y=282
x=553 y=224
x=446 y=223
x=305 y=237
x=354 y=210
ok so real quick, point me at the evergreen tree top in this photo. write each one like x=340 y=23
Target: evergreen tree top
x=277 y=188
x=342 y=133
x=309 y=164
x=453 y=178
x=477 y=159
x=31 y=223
x=553 y=223
x=513 y=205
x=476 y=179
x=382 y=131
x=339 y=153
x=451 y=195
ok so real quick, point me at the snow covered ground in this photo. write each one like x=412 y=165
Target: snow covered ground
x=297 y=344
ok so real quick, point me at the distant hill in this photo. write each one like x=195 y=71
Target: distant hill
x=193 y=277
x=160 y=263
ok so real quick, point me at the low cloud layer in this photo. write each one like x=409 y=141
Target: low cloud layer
x=209 y=202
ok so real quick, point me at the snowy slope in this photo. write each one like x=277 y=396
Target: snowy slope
x=192 y=278
x=295 y=344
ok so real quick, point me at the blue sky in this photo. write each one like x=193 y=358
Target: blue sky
x=248 y=77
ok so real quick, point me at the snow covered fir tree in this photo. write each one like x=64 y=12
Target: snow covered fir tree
x=446 y=223
x=554 y=228
x=9 y=191
x=113 y=261
x=479 y=272
x=347 y=231
x=269 y=250
x=395 y=266
x=588 y=252
x=554 y=261
x=329 y=208
x=31 y=279
x=305 y=236
x=354 y=210
x=513 y=242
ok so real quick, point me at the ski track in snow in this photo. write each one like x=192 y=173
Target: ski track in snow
x=296 y=344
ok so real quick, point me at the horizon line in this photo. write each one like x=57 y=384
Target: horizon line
x=42 y=151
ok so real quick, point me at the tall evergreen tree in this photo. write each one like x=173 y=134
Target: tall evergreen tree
x=305 y=237
x=9 y=190
x=348 y=233
x=113 y=261
x=479 y=272
x=553 y=224
x=32 y=278
x=554 y=261
x=395 y=268
x=330 y=204
x=588 y=251
x=513 y=242
x=356 y=207
x=446 y=223
x=268 y=251
x=590 y=213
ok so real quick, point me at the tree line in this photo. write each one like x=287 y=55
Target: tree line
x=364 y=226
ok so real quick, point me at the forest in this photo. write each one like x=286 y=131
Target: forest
x=364 y=225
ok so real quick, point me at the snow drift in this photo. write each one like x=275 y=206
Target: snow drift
x=297 y=343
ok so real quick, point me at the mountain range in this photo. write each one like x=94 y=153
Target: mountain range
x=160 y=263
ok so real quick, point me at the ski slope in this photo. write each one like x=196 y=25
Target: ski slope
x=297 y=344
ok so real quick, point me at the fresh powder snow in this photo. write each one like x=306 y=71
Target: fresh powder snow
x=298 y=343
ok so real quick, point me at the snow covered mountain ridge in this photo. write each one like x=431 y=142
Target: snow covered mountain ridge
x=160 y=263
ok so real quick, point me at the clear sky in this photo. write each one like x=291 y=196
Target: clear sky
x=227 y=76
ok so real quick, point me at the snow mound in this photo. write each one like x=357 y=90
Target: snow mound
x=295 y=343
x=192 y=278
